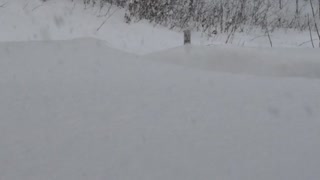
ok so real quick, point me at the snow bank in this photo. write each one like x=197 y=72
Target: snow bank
x=25 y=20
x=78 y=110
x=274 y=62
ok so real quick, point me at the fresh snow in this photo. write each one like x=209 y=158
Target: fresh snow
x=78 y=110
x=272 y=62
x=33 y=20
x=127 y=102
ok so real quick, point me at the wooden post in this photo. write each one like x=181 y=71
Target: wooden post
x=187 y=37
x=319 y=8
x=297 y=7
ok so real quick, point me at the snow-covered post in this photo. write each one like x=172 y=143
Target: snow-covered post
x=187 y=36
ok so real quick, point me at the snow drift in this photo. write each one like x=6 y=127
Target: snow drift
x=271 y=62
x=78 y=110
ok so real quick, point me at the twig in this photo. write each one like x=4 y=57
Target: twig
x=233 y=30
x=37 y=7
x=307 y=42
x=256 y=38
x=315 y=22
x=74 y=5
x=25 y=6
x=106 y=20
x=108 y=11
x=3 y=5
x=310 y=31
x=267 y=31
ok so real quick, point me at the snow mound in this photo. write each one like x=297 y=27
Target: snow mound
x=73 y=110
x=280 y=62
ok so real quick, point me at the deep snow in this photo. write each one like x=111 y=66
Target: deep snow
x=78 y=110
x=25 y=20
x=274 y=62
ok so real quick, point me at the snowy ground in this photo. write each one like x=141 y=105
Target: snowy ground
x=80 y=110
x=270 y=62
x=24 y=20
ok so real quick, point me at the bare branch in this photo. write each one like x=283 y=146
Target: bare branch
x=37 y=7
x=3 y=5
x=310 y=31
x=106 y=19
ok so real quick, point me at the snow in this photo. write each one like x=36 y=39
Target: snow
x=127 y=102
x=61 y=19
x=270 y=62
x=79 y=109
x=33 y=20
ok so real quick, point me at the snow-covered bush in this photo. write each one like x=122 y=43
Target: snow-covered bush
x=219 y=16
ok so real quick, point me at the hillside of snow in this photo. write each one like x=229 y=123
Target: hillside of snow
x=34 y=20
x=84 y=95
x=75 y=110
